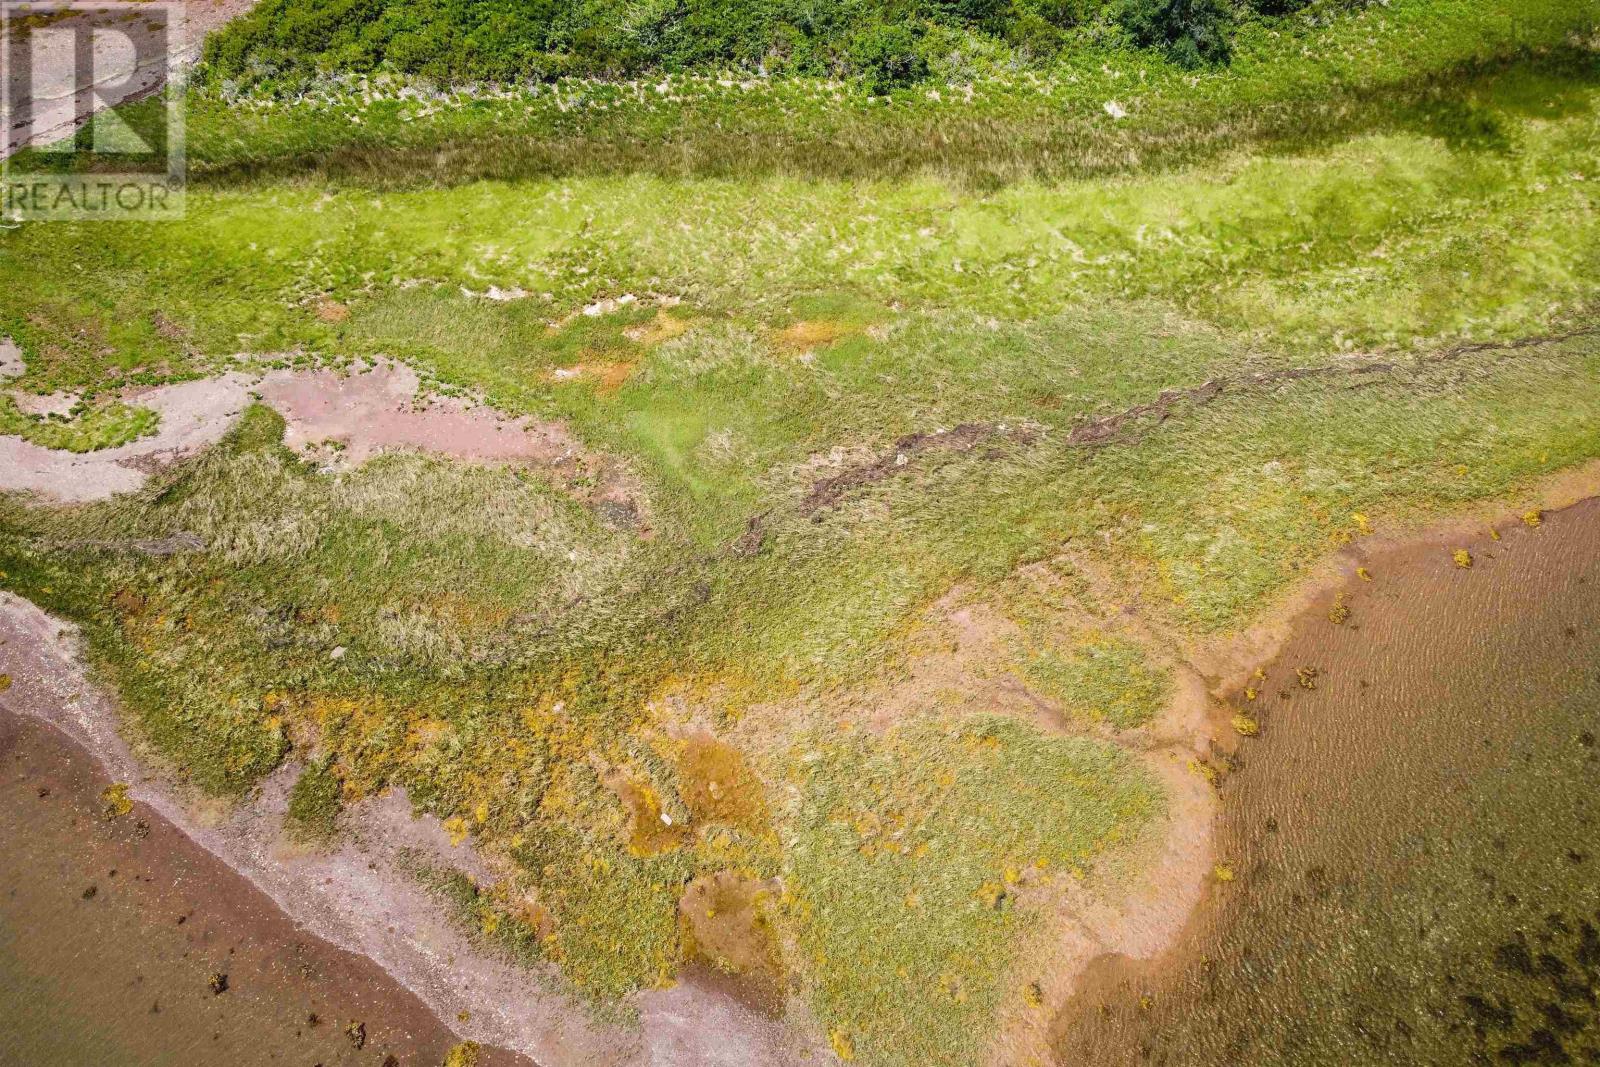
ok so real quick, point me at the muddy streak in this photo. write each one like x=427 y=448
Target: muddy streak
x=1409 y=848
x=378 y=409
x=112 y=928
x=194 y=415
x=1131 y=423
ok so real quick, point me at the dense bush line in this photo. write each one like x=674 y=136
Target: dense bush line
x=885 y=42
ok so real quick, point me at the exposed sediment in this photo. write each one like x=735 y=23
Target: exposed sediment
x=339 y=418
x=1404 y=810
x=363 y=895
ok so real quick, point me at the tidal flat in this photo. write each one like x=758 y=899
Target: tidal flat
x=1407 y=849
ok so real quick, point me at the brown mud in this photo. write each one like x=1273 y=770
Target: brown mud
x=1406 y=852
x=116 y=932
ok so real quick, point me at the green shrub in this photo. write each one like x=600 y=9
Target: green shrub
x=1193 y=33
x=887 y=57
x=510 y=40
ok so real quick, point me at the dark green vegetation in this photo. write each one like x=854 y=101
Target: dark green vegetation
x=1430 y=67
x=314 y=803
x=869 y=382
x=885 y=42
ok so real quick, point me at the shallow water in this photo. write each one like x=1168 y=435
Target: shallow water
x=1414 y=842
x=110 y=931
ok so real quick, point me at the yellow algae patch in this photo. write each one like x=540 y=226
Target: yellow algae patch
x=663 y=327
x=651 y=829
x=114 y=800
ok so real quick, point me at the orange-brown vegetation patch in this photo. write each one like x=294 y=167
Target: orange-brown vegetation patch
x=606 y=377
x=609 y=377
x=718 y=785
x=330 y=310
x=725 y=922
x=663 y=327
x=650 y=830
x=811 y=333
x=527 y=909
x=127 y=604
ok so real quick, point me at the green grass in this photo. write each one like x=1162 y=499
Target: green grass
x=90 y=430
x=1100 y=677
x=510 y=657
x=314 y=805
x=911 y=856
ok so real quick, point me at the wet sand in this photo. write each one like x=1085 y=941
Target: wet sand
x=1410 y=850
x=112 y=928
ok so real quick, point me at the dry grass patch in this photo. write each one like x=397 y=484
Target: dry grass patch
x=808 y=334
